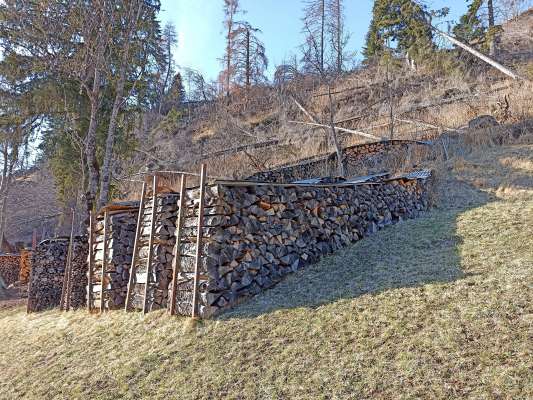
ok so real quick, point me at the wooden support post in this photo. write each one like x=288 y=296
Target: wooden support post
x=199 y=235
x=64 y=303
x=69 y=263
x=138 y=234
x=104 y=262
x=150 y=244
x=90 y=273
x=176 y=262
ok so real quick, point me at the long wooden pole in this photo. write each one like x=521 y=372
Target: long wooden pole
x=150 y=244
x=479 y=55
x=63 y=304
x=195 y=297
x=138 y=234
x=176 y=262
x=368 y=135
x=69 y=262
x=91 y=263
x=104 y=263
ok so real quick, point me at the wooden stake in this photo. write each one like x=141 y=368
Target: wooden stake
x=104 y=262
x=138 y=233
x=198 y=244
x=176 y=263
x=69 y=263
x=91 y=263
x=64 y=303
x=150 y=244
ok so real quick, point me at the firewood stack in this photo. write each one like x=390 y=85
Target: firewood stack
x=367 y=158
x=255 y=235
x=9 y=268
x=120 y=242
x=25 y=266
x=162 y=252
x=48 y=267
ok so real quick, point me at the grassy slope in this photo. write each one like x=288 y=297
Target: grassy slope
x=439 y=307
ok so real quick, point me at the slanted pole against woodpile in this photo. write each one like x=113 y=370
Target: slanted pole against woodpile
x=150 y=244
x=66 y=290
x=104 y=261
x=176 y=262
x=198 y=244
x=90 y=273
x=135 y=256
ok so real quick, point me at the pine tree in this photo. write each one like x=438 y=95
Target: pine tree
x=399 y=23
x=470 y=27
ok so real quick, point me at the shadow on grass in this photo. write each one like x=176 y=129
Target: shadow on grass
x=408 y=254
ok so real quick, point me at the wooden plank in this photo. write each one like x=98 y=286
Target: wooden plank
x=135 y=256
x=199 y=236
x=91 y=262
x=176 y=262
x=66 y=274
x=150 y=243
x=69 y=263
x=104 y=262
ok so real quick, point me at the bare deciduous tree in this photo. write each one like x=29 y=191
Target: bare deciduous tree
x=249 y=60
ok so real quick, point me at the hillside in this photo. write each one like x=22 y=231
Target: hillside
x=440 y=96
x=437 y=307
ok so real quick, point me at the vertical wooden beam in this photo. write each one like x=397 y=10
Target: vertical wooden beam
x=199 y=238
x=138 y=234
x=64 y=302
x=150 y=243
x=69 y=262
x=90 y=273
x=104 y=261
x=176 y=262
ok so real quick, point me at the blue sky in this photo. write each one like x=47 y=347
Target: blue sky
x=201 y=41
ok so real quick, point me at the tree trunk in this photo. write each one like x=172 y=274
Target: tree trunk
x=492 y=39
x=248 y=72
x=339 y=37
x=117 y=104
x=322 y=27
x=90 y=146
x=338 y=149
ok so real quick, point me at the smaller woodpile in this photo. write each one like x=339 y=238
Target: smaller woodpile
x=47 y=273
x=9 y=268
x=25 y=265
x=120 y=241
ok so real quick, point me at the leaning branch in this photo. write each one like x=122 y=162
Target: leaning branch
x=367 y=135
x=479 y=55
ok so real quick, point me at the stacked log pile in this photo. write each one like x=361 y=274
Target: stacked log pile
x=162 y=252
x=120 y=242
x=25 y=266
x=367 y=158
x=255 y=235
x=215 y=212
x=9 y=268
x=48 y=268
